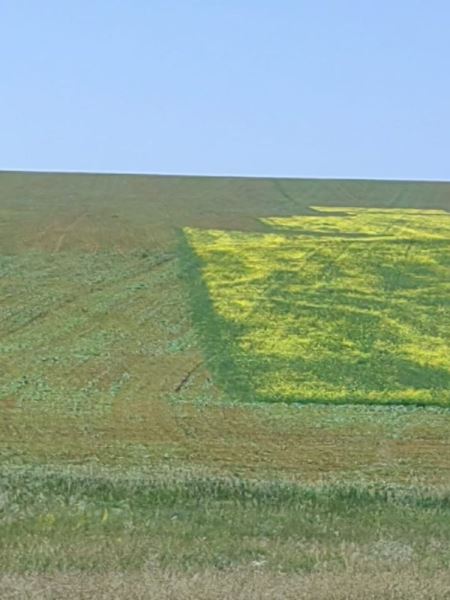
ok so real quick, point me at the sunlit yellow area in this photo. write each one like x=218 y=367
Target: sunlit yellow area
x=388 y=223
x=344 y=305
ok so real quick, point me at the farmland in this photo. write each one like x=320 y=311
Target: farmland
x=355 y=313
x=208 y=379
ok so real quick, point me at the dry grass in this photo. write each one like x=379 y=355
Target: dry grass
x=243 y=584
x=307 y=444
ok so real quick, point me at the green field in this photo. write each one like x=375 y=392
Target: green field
x=216 y=388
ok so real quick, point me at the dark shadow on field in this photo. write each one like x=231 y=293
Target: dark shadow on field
x=218 y=336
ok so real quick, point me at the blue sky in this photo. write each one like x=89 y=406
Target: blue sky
x=240 y=87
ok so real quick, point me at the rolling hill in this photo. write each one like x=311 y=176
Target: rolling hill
x=255 y=348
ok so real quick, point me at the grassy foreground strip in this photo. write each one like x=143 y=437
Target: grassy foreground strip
x=67 y=519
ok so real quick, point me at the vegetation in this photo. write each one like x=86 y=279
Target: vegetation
x=92 y=520
x=211 y=389
x=342 y=309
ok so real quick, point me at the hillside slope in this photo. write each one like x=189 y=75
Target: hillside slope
x=215 y=386
x=101 y=357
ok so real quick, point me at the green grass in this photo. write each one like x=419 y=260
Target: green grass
x=76 y=327
x=131 y=356
x=91 y=520
x=342 y=309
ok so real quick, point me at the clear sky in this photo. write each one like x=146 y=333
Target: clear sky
x=344 y=88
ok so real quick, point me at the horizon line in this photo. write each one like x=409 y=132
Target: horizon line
x=217 y=176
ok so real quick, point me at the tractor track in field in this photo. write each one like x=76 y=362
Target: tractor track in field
x=69 y=228
x=187 y=377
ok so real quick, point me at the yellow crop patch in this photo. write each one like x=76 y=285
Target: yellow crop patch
x=350 y=305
